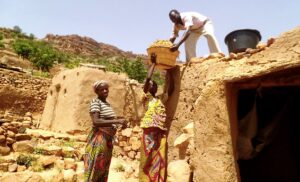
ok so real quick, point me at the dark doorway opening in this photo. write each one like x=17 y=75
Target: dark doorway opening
x=273 y=136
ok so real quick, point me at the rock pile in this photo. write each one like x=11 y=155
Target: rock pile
x=129 y=143
x=12 y=133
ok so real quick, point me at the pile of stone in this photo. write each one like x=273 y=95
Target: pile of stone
x=12 y=131
x=61 y=155
x=129 y=143
x=236 y=56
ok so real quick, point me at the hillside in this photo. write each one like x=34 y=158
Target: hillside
x=73 y=44
x=86 y=46
x=58 y=52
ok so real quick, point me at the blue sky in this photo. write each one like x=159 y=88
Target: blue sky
x=132 y=25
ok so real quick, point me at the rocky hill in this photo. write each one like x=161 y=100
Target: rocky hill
x=86 y=46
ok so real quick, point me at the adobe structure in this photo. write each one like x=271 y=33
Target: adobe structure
x=218 y=94
x=70 y=93
x=236 y=104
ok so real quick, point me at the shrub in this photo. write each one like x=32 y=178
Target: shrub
x=2 y=45
x=25 y=160
x=31 y=36
x=72 y=64
x=41 y=54
x=41 y=74
x=17 y=29
x=23 y=48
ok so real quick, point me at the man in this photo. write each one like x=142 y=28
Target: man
x=194 y=25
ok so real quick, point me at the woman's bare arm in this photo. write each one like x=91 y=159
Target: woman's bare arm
x=105 y=122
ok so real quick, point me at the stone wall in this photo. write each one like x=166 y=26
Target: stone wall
x=21 y=93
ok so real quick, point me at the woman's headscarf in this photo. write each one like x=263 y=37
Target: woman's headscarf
x=99 y=84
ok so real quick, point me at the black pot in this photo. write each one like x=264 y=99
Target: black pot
x=240 y=40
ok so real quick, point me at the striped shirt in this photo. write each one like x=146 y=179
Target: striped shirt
x=104 y=108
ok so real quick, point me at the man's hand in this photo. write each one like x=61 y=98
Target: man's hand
x=174 y=48
x=172 y=39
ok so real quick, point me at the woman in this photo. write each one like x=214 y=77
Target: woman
x=153 y=162
x=99 y=144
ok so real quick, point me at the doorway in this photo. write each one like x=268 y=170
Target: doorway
x=267 y=145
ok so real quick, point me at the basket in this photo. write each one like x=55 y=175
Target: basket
x=165 y=59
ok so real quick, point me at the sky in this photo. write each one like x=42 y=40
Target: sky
x=132 y=25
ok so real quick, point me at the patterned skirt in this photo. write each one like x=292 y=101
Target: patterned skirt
x=153 y=164
x=97 y=158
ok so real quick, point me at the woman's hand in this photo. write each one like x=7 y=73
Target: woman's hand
x=153 y=58
x=121 y=121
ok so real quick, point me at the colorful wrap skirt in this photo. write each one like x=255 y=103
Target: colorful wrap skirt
x=97 y=158
x=153 y=162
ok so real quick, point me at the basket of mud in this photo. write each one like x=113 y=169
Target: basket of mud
x=165 y=59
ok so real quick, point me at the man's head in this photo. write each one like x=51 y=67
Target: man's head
x=175 y=16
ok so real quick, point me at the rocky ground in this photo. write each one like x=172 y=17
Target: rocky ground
x=31 y=154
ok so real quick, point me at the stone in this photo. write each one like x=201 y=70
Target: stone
x=12 y=168
x=69 y=175
x=23 y=146
x=23 y=137
x=26 y=125
x=13 y=129
x=182 y=140
x=10 y=141
x=122 y=143
x=135 y=143
x=270 y=41
x=4 y=167
x=81 y=138
x=5 y=120
x=47 y=160
x=189 y=129
x=28 y=114
x=27 y=119
x=45 y=136
x=232 y=55
x=178 y=171
x=60 y=164
x=10 y=134
x=4 y=150
x=127 y=148
x=68 y=152
x=70 y=164
x=36 y=178
x=2 y=139
x=80 y=171
x=215 y=55
x=131 y=154
x=53 y=150
x=136 y=129
x=21 y=168
x=16 y=177
x=138 y=155
x=2 y=131
x=127 y=132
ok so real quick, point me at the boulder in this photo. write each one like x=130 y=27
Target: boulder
x=178 y=171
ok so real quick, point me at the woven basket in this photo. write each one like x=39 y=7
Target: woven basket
x=165 y=59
